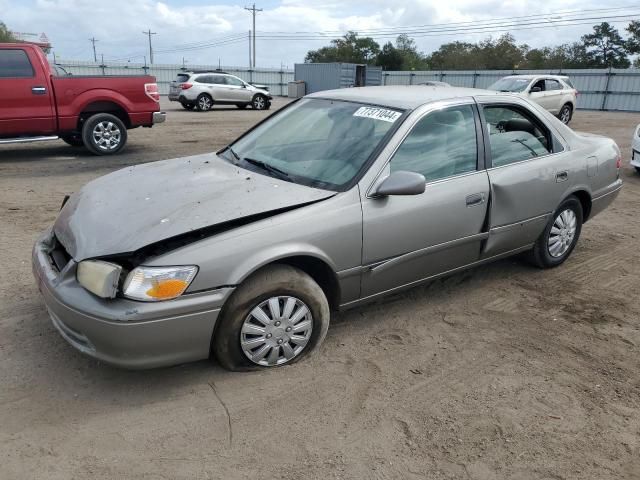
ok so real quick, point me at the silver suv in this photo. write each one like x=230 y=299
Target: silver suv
x=202 y=90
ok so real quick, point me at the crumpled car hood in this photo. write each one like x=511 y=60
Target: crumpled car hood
x=140 y=205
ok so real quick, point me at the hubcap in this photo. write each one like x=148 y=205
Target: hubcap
x=276 y=331
x=106 y=135
x=562 y=233
x=205 y=103
x=259 y=103
x=565 y=115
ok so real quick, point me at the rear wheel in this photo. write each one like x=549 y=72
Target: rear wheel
x=566 y=112
x=560 y=236
x=204 y=102
x=104 y=134
x=74 y=139
x=276 y=317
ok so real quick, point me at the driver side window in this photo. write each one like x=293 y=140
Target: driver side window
x=441 y=144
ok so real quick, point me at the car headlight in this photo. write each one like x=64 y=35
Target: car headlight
x=100 y=278
x=153 y=284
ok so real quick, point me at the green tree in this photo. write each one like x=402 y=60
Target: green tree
x=633 y=43
x=351 y=48
x=412 y=59
x=605 y=47
x=5 y=35
x=455 y=56
x=389 y=57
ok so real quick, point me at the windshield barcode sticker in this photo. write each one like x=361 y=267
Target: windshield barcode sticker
x=383 y=114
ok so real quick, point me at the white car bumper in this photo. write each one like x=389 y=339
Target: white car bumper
x=635 y=148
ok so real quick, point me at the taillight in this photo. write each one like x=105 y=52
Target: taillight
x=577 y=93
x=185 y=86
x=619 y=161
x=151 y=89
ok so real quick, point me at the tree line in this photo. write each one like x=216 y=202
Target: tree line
x=603 y=48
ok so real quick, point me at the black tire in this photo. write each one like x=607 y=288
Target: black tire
x=541 y=256
x=566 y=113
x=241 y=106
x=204 y=102
x=73 y=139
x=260 y=102
x=103 y=145
x=638 y=169
x=188 y=106
x=271 y=281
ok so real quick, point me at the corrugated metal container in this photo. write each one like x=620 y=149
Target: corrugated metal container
x=328 y=76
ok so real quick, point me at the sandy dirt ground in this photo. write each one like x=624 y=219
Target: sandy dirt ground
x=501 y=372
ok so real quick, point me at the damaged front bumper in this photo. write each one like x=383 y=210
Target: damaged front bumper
x=123 y=332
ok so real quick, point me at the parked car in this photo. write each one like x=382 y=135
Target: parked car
x=635 y=149
x=337 y=199
x=555 y=93
x=38 y=103
x=434 y=83
x=202 y=90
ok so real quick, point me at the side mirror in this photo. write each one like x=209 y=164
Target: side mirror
x=401 y=183
x=536 y=90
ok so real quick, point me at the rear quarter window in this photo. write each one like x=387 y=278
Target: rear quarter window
x=15 y=64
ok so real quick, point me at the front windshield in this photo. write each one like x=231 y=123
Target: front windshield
x=322 y=143
x=510 y=85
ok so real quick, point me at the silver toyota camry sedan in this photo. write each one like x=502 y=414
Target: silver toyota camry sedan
x=337 y=199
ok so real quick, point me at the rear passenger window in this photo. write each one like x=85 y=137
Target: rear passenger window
x=15 y=64
x=514 y=136
x=218 y=80
x=441 y=144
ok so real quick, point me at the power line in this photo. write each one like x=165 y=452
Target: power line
x=253 y=10
x=149 y=33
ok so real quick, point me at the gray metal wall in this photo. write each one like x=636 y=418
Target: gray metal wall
x=275 y=79
x=600 y=89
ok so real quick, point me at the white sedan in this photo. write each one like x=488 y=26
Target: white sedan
x=635 y=149
x=554 y=93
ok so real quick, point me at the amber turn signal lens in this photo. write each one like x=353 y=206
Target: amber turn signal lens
x=170 y=288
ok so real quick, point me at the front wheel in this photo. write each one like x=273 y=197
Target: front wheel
x=566 y=112
x=276 y=317
x=260 y=102
x=560 y=236
x=104 y=134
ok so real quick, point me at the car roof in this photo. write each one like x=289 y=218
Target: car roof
x=531 y=77
x=400 y=96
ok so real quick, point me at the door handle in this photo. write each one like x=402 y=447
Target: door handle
x=39 y=90
x=475 y=199
x=562 y=176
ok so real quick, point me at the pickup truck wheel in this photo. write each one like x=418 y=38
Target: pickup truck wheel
x=566 y=112
x=204 y=102
x=275 y=317
x=75 y=140
x=260 y=102
x=104 y=134
x=560 y=236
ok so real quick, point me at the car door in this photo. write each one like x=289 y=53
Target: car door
x=218 y=88
x=26 y=101
x=237 y=89
x=553 y=95
x=539 y=95
x=410 y=238
x=529 y=171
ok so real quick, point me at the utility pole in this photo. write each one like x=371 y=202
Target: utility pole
x=249 y=48
x=254 y=10
x=93 y=41
x=149 y=33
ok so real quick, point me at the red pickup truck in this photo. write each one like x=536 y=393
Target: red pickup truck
x=94 y=111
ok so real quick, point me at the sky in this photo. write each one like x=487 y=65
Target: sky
x=183 y=27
